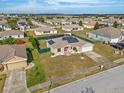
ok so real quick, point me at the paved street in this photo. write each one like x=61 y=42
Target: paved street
x=16 y=82
x=110 y=81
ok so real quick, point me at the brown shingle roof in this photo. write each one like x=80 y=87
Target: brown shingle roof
x=7 y=52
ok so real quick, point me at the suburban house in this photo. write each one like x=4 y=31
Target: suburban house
x=64 y=21
x=87 y=20
x=22 y=24
x=3 y=26
x=11 y=34
x=67 y=45
x=73 y=20
x=45 y=30
x=72 y=28
x=90 y=24
x=56 y=21
x=107 y=34
x=12 y=57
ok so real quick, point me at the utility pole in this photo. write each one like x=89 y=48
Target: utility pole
x=50 y=85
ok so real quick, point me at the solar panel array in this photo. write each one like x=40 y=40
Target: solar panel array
x=70 y=39
x=51 y=42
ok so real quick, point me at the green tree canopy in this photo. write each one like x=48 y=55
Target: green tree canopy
x=80 y=23
x=96 y=26
x=115 y=24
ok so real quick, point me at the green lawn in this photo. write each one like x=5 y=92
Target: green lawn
x=82 y=33
x=36 y=74
x=2 y=80
x=107 y=51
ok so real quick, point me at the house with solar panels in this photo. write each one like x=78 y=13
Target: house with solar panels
x=67 y=45
x=23 y=24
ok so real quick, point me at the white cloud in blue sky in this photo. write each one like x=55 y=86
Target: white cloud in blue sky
x=62 y=6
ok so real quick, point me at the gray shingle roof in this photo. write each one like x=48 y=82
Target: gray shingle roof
x=71 y=26
x=109 y=32
x=7 y=52
x=43 y=29
x=11 y=32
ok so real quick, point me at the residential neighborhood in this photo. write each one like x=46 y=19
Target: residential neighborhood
x=46 y=53
x=61 y=46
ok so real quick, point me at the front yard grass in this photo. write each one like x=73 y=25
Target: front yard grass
x=42 y=44
x=2 y=80
x=107 y=51
x=61 y=65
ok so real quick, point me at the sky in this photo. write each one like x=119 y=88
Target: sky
x=63 y=6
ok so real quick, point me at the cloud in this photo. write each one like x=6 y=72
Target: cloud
x=44 y=6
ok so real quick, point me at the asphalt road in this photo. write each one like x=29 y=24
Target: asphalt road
x=111 y=81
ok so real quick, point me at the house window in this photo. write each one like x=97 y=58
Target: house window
x=10 y=36
x=46 y=31
x=59 y=50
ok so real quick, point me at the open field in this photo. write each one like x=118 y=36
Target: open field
x=2 y=80
x=107 y=51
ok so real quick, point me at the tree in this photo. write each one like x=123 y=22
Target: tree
x=80 y=23
x=12 y=23
x=115 y=24
x=96 y=26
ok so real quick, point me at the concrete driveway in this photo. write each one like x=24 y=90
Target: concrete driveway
x=97 y=57
x=110 y=81
x=16 y=82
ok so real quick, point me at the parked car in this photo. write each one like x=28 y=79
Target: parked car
x=118 y=46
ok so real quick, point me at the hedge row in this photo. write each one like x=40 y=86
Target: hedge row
x=48 y=37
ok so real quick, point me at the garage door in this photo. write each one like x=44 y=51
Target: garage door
x=88 y=48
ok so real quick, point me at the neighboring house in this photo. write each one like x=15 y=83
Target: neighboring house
x=45 y=30
x=13 y=57
x=56 y=21
x=23 y=24
x=11 y=34
x=3 y=26
x=64 y=21
x=73 y=20
x=68 y=45
x=90 y=24
x=107 y=34
x=72 y=28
